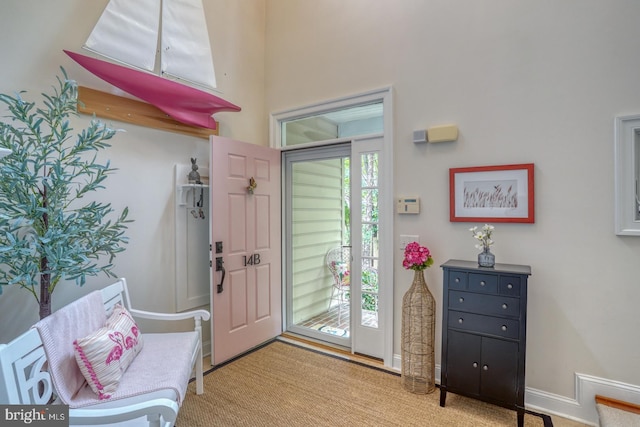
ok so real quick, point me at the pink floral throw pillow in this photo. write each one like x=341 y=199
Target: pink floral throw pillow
x=104 y=355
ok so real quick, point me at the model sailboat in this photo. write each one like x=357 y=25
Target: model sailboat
x=130 y=32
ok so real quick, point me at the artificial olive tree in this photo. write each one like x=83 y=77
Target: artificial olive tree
x=49 y=232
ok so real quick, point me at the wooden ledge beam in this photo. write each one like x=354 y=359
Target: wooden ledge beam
x=114 y=107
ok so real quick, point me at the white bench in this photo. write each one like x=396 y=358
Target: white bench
x=25 y=380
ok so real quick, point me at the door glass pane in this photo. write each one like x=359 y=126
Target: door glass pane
x=370 y=208
x=321 y=255
x=347 y=122
x=370 y=243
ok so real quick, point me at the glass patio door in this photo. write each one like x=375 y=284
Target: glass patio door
x=332 y=227
x=363 y=123
x=318 y=250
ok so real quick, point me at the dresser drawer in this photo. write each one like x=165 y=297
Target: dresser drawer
x=493 y=305
x=509 y=285
x=457 y=279
x=486 y=283
x=507 y=328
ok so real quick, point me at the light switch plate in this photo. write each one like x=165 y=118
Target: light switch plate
x=405 y=239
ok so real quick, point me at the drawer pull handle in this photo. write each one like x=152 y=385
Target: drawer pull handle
x=482 y=283
x=461 y=299
x=460 y=320
x=475 y=364
x=457 y=280
x=504 y=327
x=504 y=306
x=485 y=367
x=509 y=286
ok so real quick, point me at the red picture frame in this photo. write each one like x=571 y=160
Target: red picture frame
x=492 y=194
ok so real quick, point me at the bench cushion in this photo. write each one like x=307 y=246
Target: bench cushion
x=165 y=361
x=163 y=364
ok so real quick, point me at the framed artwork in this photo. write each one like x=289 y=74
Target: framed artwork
x=491 y=194
x=627 y=175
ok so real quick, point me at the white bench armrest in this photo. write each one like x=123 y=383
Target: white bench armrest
x=166 y=408
x=195 y=314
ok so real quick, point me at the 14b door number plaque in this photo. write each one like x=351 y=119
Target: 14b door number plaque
x=251 y=260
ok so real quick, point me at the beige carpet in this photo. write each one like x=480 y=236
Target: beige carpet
x=286 y=385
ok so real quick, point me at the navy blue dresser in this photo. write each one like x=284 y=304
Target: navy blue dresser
x=484 y=328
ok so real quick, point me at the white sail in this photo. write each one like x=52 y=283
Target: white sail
x=185 y=48
x=127 y=31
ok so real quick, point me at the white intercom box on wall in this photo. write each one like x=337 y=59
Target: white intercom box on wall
x=408 y=205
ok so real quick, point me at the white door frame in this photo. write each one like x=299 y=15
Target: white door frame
x=366 y=339
x=383 y=95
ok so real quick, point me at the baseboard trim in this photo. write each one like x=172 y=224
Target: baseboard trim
x=554 y=404
x=582 y=408
x=397 y=366
x=206 y=348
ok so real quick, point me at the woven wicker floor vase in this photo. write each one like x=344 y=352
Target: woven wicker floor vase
x=418 y=337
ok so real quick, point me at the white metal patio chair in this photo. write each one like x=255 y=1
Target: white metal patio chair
x=338 y=262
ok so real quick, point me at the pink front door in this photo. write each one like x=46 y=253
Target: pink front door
x=247 y=308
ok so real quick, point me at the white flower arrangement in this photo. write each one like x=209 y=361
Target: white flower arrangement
x=483 y=236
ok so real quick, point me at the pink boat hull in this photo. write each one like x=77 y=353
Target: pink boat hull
x=183 y=103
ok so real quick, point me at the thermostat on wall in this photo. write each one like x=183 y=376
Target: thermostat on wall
x=408 y=205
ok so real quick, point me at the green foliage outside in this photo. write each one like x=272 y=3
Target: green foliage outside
x=369 y=233
x=370 y=282
x=48 y=233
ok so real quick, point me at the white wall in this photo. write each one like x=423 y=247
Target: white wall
x=526 y=81
x=33 y=34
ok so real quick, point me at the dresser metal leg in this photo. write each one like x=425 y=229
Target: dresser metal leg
x=443 y=396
